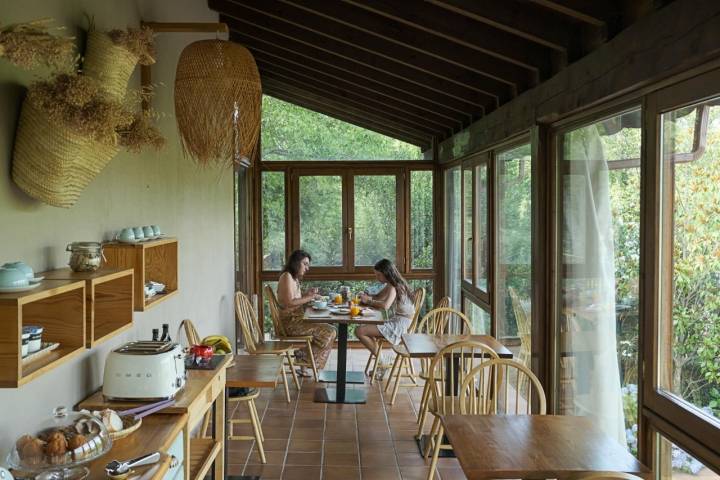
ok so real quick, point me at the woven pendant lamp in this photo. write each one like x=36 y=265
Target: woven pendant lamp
x=218 y=98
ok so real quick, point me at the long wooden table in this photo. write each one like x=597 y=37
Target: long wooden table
x=204 y=390
x=535 y=447
x=341 y=394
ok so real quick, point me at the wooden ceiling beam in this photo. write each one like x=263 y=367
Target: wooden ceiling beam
x=325 y=108
x=318 y=80
x=338 y=96
x=276 y=82
x=423 y=100
x=448 y=29
x=455 y=81
x=378 y=34
x=522 y=19
x=593 y=12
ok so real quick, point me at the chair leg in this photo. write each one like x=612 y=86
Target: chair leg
x=256 y=430
x=436 y=453
x=396 y=387
x=392 y=372
x=283 y=374
x=423 y=411
x=376 y=360
x=292 y=369
x=430 y=444
x=413 y=375
x=312 y=361
x=367 y=364
x=257 y=418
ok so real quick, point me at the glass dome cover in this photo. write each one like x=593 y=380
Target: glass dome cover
x=63 y=443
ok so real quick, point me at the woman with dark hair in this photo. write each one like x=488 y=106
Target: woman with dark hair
x=395 y=294
x=292 y=302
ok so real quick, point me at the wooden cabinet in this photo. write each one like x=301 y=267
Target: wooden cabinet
x=155 y=260
x=109 y=306
x=56 y=305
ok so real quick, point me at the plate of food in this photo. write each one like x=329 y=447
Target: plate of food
x=340 y=311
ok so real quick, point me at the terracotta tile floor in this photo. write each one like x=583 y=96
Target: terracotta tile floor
x=307 y=440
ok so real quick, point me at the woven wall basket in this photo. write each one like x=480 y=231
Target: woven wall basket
x=111 y=65
x=218 y=99
x=53 y=164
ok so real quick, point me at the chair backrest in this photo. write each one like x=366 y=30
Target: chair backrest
x=191 y=333
x=419 y=296
x=449 y=368
x=248 y=322
x=521 y=315
x=495 y=387
x=445 y=320
x=274 y=311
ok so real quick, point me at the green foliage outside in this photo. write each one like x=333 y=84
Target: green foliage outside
x=290 y=132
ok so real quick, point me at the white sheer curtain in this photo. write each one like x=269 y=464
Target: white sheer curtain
x=589 y=362
x=453 y=217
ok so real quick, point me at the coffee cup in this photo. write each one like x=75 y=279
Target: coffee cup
x=148 y=232
x=23 y=267
x=139 y=235
x=126 y=235
x=13 y=278
x=320 y=304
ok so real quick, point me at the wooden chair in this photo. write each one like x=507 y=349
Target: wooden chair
x=444 y=321
x=281 y=334
x=448 y=375
x=402 y=358
x=374 y=358
x=522 y=318
x=254 y=420
x=254 y=343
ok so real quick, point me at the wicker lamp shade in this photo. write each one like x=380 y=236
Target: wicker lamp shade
x=218 y=99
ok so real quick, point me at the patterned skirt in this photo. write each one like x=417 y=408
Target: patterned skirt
x=322 y=342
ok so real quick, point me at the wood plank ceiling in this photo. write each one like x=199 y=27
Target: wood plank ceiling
x=417 y=69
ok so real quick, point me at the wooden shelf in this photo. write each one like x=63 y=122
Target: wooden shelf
x=56 y=305
x=202 y=454
x=155 y=260
x=109 y=309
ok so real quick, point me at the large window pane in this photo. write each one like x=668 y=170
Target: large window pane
x=479 y=318
x=467 y=209
x=321 y=221
x=291 y=132
x=453 y=242
x=375 y=211
x=482 y=227
x=675 y=463
x=421 y=218
x=514 y=251
x=599 y=252
x=690 y=328
x=273 y=220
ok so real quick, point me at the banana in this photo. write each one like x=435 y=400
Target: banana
x=220 y=343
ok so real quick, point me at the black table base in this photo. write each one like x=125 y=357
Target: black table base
x=341 y=394
x=330 y=376
x=424 y=440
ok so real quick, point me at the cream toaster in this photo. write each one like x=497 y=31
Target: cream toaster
x=144 y=371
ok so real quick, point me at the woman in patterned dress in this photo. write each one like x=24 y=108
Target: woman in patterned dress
x=395 y=294
x=292 y=302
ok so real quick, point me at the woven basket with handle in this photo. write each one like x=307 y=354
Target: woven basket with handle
x=51 y=162
x=110 y=64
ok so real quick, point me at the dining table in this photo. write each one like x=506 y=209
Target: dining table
x=535 y=447
x=341 y=393
x=426 y=345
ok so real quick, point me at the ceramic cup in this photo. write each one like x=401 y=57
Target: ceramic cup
x=25 y=344
x=139 y=235
x=35 y=342
x=126 y=235
x=12 y=278
x=148 y=232
x=23 y=267
x=156 y=230
x=320 y=304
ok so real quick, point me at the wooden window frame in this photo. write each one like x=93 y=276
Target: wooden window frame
x=677 y=419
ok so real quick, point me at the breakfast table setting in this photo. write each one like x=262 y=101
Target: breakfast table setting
x=342 y=313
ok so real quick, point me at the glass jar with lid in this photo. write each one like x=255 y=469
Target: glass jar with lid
x=85 y=256
x=57 y=450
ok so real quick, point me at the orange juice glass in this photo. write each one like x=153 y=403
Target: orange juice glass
x=338 y=299
x=355 y=310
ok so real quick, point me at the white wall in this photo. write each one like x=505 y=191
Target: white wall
x=196 y=205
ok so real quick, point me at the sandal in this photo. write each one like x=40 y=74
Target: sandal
x=304 y=372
